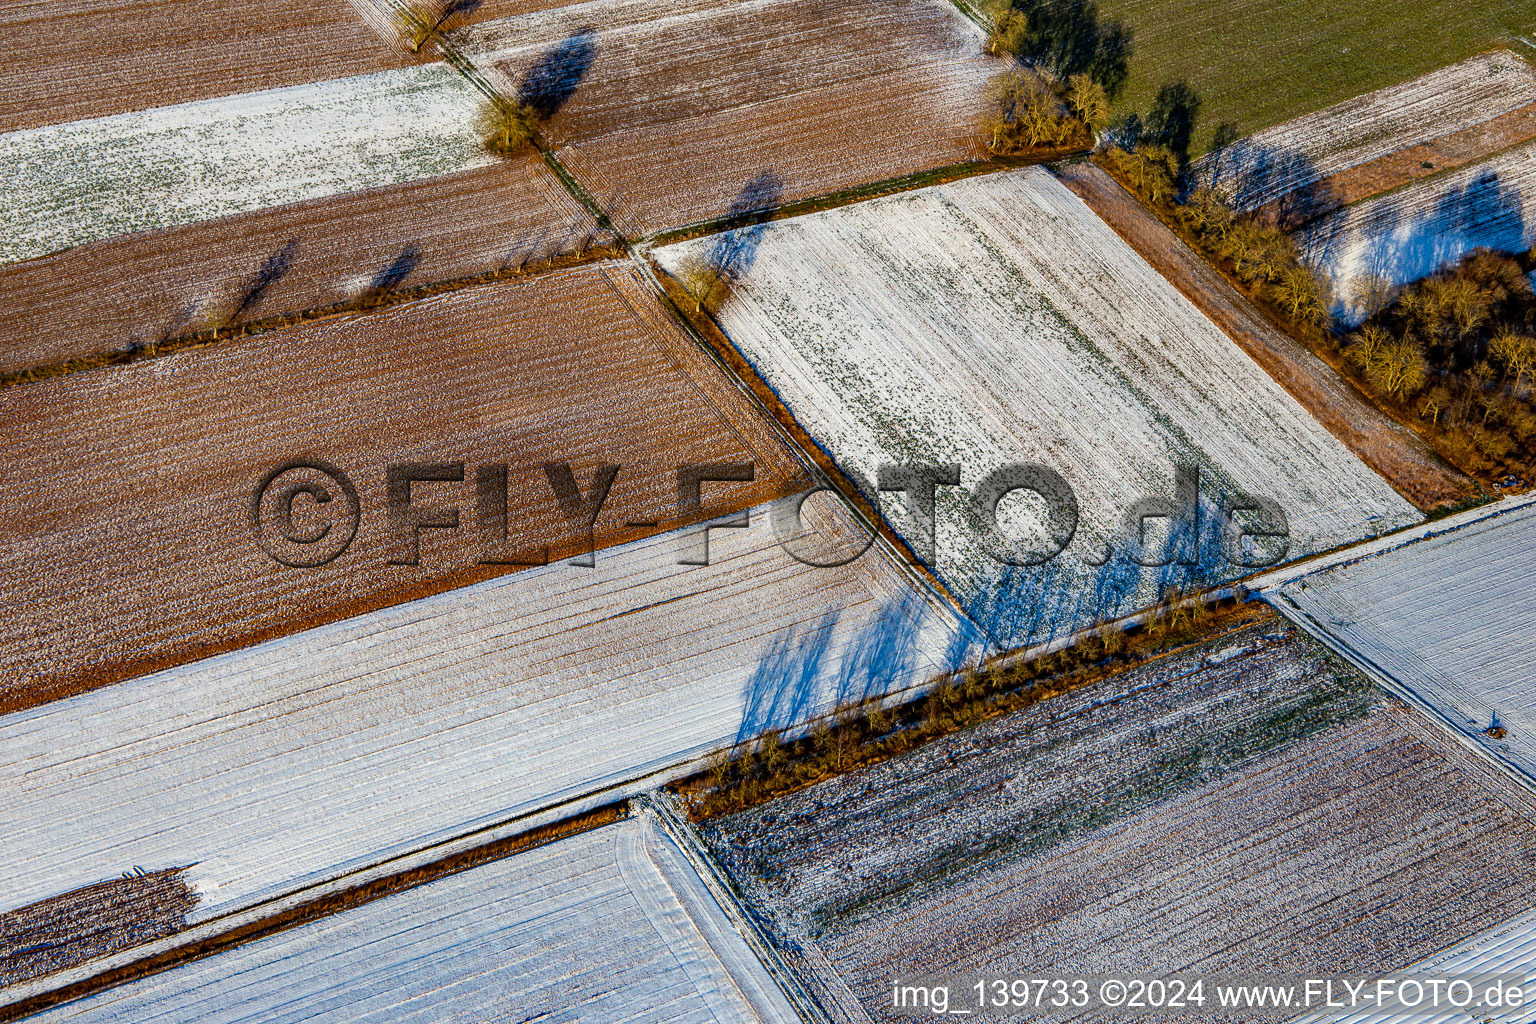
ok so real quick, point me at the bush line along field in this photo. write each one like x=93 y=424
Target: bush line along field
x=1460 y=343
x=426 y=721
x=875 y=730
x=137 y=551
x=1389 y=447
x=1025 y=300
x=1251 y=798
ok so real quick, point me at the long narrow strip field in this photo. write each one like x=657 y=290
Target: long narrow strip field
x=136 y=540
x=1410 y=233
x=613 y=923
x=296 y=761
x=1247 y=804
x=83 y=181
x=145 y=288
x=1381 y=442
x=78 y=59
x=1495 y=92
x=672 y=113
x=1447 y=619
x=1256 y=63
x=996 y=320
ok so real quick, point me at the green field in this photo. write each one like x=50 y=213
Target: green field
x=1259 y=62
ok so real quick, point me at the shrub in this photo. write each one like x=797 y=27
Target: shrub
x=1024 y=113
x=705 y=282
x=506 y=127
x=1088 y=101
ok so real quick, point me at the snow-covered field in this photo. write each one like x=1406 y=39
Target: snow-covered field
x=1266 y=165
x=306 y=757
x=997 y=320
x=1246 y=804
x=87 y=180
x=1447 y=619
x=1409 y=234
x=1507 y=948
x=612 y=924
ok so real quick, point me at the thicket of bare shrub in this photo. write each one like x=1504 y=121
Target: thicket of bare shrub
x=1029 y=108
x=505 y=126
x=1454 y=354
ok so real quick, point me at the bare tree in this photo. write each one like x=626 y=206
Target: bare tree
x=1517 y=354
x=506 y=127
x=1398 y=369
x=1008 y=31
x=1088 y=101
x=706 y=283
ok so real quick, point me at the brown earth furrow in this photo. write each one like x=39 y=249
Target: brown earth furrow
x=90 y=58
x=128 y=490
x=147 y=288
x=673 y=114
x=91 y=922
x=1246 y=804
x=1403 y=166
x=1388 y=447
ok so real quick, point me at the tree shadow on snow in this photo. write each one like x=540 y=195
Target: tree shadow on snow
x=555 y=75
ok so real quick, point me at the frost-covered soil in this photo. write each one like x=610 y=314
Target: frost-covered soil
x=132 y=548
x=87 y=180
x=998 y=320
x=1409 y=234
x=609 y=925
x=1507 y=948
x=76 y=59
x=671 y=113
x=1250 y=801
x=668 y=116
x=1450 y=619
x=1265 y=166
x=302 y=758
x=153 y=285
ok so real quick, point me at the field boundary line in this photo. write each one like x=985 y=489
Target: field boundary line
x=315 y=902
x=856 y=194
x=924 y=582
x=1304 y=621
x=315 y=314
x=658 y=805
x=1349 y=554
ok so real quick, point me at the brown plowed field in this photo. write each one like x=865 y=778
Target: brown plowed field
x=128 y=491
x=1382 y=443
x=89 y=58
x=671 y=114
x=148 y=287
